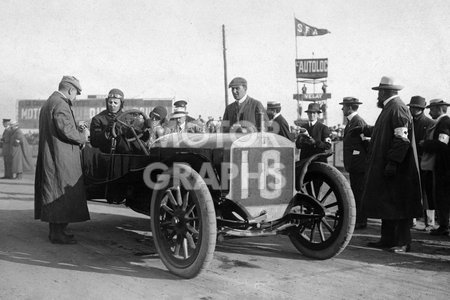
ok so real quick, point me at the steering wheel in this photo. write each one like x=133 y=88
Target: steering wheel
x=131 y=125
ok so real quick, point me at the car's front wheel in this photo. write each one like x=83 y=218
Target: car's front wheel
x=183 y=221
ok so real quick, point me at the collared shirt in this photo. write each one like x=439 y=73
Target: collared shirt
x=240 y=101
x=350 y=116
x=389 y=99
x=312 y=123
x=276 y=115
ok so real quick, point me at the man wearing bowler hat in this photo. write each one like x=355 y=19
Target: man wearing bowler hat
x=421 y=123
x=59 y=192
x=392 y=187
x=436 y=148
x=355 y=154
x=278 y=123
x=245 y=113
x=316 y=138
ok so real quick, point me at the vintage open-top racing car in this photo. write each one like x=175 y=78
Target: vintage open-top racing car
x=199 y=188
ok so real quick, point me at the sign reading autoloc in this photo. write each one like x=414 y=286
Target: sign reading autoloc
x=311 y=68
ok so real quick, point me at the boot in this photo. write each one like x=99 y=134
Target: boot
x=64 y=227
x=57 y=235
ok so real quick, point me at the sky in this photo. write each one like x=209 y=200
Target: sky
x=168 y=49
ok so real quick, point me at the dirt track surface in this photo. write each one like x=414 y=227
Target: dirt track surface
x=115 y=258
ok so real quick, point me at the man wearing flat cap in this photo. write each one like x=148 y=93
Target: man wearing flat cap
x=436 y=162
x=355 y=154
x=392 y=187
x=316 y=138
x=59 y=185
x=6 y=145
x=421 y=122
x=245 y=113
x=277 y=123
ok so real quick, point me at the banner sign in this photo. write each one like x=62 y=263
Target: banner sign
x=84 y=110
x=312 y=97
x=311 y=68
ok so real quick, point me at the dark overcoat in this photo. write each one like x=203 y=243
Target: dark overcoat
x=398 y=196
x=321 y=135
x=439 y=145
x=59 y=188
x=355 y=149
x=20 y=152
x=6 y=147
x=421 y=125
x=280 y=126
x=248 y=114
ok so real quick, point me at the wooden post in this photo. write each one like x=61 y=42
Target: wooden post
x=225 y=80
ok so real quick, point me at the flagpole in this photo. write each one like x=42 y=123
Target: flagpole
x=225 y=80
x=296 y=79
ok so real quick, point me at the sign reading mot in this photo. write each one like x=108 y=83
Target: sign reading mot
x=311 y=68
x=85 y=109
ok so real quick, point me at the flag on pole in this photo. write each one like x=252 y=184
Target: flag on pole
x=302 y=29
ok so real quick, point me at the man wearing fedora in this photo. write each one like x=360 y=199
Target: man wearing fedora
x=316 y=138
x=355 y=154
x=421 y=123
x=59 y=192
x=392 y=187
x=245 y=113
x=278 y=123
x=436 y=147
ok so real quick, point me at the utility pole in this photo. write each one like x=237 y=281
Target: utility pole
x=225 y=80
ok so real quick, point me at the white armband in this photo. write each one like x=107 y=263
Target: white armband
x=401 y=132
x=444 y=138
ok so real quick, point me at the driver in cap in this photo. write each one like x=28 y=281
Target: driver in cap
x=102 y=124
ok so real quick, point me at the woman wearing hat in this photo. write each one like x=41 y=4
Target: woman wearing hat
x=157 y=119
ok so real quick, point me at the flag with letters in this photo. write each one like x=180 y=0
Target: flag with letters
x=303 y=29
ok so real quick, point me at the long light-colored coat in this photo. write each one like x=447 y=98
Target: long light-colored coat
x=20 y=152
x=59 y=188
x=399 y=196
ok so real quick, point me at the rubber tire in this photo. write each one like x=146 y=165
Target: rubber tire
x=208 y=230
x=338 y=240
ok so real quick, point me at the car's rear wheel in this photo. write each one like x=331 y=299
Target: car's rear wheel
x=326 y=236
x=183 y=221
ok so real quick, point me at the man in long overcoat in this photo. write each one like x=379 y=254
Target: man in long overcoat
x=6 y=145
x=437 y=144
x=355 y=155
x=421 y=123
x=20 y=152
x=59 y=188
x=392 y=187
x=245 y=113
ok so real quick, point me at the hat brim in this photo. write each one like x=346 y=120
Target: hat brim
x=438 y=104
x=416 y=105
x=177 y=115
x=316 y=111
x=388 y=87
x=342 y=103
